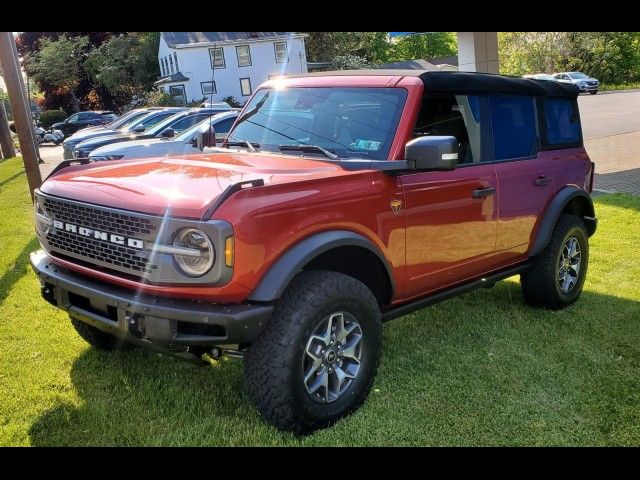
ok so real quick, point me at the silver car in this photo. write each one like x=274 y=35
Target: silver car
x=584 y=82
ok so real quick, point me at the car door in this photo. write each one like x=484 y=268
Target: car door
x=71 y=125
x=525 y=178
x=451 y=216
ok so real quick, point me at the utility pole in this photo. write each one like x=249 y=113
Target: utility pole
x=21 y=111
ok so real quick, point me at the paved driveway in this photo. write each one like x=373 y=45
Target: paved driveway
x=611 y=128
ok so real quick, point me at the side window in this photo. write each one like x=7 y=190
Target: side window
x=453 y=115
x=223 y=126
x=563 y=123
x=513 y=124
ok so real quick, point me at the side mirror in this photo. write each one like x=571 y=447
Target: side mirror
x=138 y=128
x=206 y=137
x=168 y=133
x=432 y=153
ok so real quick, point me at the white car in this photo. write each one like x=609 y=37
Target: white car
x=183 y=144
x=584 y=82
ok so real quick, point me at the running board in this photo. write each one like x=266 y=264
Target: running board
x=484 y=282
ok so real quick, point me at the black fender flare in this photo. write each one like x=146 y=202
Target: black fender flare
x=280 y=274
x=555 y=208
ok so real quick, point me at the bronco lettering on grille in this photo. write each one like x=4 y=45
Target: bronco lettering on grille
x=98 y=235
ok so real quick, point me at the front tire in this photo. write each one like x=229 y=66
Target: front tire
x=318 y=355
x=593 y=92
x=556 y=278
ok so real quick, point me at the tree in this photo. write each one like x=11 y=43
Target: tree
x=125 y=65
x=351 y=62
x=423 y=46
x=59 y=63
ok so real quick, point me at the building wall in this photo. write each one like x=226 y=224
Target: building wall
x=194 y=63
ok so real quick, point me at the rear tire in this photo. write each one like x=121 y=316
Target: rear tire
x=556 y=278
x=309 y=327
x=98 y=338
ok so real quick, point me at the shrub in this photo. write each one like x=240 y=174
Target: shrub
x=49 y=117
x=196 y=103
x=156 y=98
x=232 y=101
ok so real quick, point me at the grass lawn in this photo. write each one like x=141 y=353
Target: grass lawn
x=481 y=369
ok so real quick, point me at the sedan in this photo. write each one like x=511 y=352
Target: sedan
x=168 y=128
x=183 y=144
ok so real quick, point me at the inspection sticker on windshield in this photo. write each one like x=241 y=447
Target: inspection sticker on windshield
x=361 y=144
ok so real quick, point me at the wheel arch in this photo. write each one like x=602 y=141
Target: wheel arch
x=342 y=251
x=571 y=200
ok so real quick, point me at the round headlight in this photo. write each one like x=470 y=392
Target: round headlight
x=198 y=255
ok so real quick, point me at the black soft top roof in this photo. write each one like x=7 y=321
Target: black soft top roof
x=473 y=83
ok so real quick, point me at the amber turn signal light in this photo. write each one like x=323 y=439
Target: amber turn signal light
x=229 y=251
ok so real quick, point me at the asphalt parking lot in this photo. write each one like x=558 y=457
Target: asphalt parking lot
x=611 y=128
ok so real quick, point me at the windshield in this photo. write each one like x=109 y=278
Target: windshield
x=126 y=119
x=149 y=120
x=577 y=75
x=347 y=121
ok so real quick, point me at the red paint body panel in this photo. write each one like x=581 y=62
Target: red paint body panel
x=441 y=235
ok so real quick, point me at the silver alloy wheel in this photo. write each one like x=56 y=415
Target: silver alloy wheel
x=569 y=265
x=332 y=354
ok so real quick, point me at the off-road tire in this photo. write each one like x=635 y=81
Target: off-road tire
x=98 y=338
x=273 y=363
x=539 y=282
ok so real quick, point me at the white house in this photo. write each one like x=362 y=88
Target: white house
x=217 y=65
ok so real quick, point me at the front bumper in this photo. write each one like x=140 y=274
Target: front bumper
x=180 y=328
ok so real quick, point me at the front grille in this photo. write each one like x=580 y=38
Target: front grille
x=94 y=250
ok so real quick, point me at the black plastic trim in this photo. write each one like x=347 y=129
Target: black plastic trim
x=562 y=198
x=483 y=282
x=224 y=196
x=276 y=280
x=68 y=163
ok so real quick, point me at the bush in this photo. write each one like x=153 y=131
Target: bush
x=232 y=101
x=49 y=117
x=196 y=103
x=156 y=98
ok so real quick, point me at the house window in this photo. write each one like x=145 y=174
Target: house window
x=178 y=93
x=161 y=68
x=245 y=86
x=282 y=55
x=171 y=63
x=175 y=57
x=166 y=65
x=217 y=57
x=208 y=87
x=244 y=55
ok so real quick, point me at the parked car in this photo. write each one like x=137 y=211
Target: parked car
x=541 y=76
x=585 y=83
x=83 y=119
x=183 y=144
x=138 y=119
x=168 y=128
x=335 y=204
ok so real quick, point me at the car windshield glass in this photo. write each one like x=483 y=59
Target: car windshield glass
x=346 y=121
x=577 y=75
x=149 y=120
x=125 y=120
x=165 y=123
x=191 y=132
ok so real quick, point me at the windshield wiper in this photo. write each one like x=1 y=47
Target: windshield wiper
x=251 y=146
x=310 y=149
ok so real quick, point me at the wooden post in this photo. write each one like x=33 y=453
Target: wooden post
x=21 y=111
x=6 y=144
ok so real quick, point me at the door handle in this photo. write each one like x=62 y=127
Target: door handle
x=541 y=181
x=483 y=192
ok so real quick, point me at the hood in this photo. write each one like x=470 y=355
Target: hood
x=186 y=185
x=146 y=147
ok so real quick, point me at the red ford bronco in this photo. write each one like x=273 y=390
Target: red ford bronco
x=337 y=202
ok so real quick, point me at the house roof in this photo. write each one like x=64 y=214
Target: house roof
x=175 y=77
x=175 y=39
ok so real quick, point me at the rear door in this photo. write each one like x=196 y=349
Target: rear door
x=451 y=216
x=525 y=178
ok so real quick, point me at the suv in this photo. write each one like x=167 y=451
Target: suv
x=584 y=82
x=337 y=202
x=84 y=119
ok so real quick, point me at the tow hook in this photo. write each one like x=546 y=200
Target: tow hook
x=216 y=353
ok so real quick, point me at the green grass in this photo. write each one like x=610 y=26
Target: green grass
x=481 y=369
x=620 y=86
